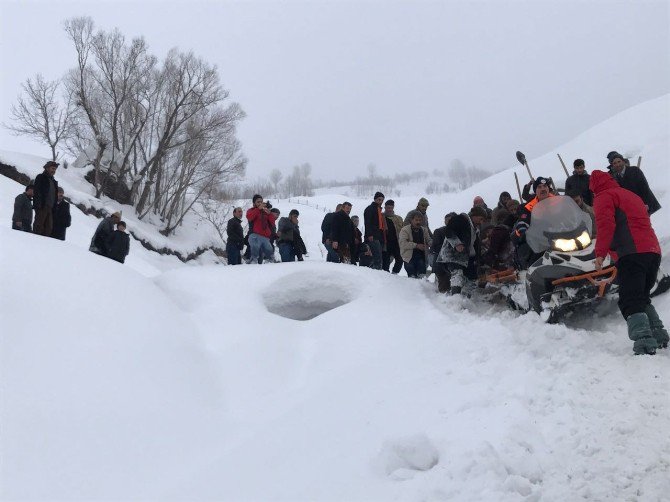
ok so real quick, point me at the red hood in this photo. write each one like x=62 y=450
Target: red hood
x=601 y=181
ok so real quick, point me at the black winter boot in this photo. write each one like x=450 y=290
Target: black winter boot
x=657 y=329
x=640 y=332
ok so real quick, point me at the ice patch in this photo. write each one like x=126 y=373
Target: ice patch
x=305 y=295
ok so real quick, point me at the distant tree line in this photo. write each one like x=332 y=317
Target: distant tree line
x=162 y=135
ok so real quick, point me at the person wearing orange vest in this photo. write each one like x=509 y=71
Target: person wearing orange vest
x=375 y=229
x=525 y=255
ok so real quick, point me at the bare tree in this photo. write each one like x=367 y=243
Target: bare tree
x=276 y=177
x=40 y=113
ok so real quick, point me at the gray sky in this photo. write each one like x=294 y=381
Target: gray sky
x=403 y=85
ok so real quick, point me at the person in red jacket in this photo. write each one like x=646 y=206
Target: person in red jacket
x=261 y=221
x=624 y=227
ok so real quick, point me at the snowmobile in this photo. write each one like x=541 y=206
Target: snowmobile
x=564 y=276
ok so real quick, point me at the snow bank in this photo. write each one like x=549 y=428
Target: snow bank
x=106 y=390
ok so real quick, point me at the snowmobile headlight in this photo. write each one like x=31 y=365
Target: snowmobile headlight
x=567 y=245
x=584 y=239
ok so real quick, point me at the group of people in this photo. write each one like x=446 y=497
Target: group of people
x=266 y=229
x=47 y=201
x=43 y=210
x=618 y=201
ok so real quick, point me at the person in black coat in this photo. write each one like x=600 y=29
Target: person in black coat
x=235 y=242
x=579 y=182
x=119 y=243
x=46 y=190
x=632 y=178
x=375 y=229
x=440 y=269
x=61 y=216
x=102 y=235
x=342 y=234
x=22 y=218
x=326 y=231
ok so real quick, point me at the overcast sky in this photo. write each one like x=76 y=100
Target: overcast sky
x=403 y=85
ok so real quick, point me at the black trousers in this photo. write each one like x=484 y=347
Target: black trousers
x=637 y=274
x=397 y=260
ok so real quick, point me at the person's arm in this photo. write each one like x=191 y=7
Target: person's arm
x=604 y=211
x=68 y=216
x=647 y=195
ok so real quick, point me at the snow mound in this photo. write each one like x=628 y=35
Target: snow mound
x=105 y=390
x=303 y=295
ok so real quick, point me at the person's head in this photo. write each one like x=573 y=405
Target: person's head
x=257 y=201
x=355 y=220
x=611 y=155
x=346 y=207
x=579 y=165
x=417 y=220
x=50 y=167
x=577 y=197
x=478 y=201
x=389 y=206
x=422 y=205
x=61 y=194
x=116 y=216
x=275 y=211
x=448 y=217
x=293 y=215
x=121 y=225
x=504 y=197
x=541 y=187
x=30 y=189
x=485 y=231
x=512 y=205
x=477 y=215
x=618 y=163
x=338 y=207
x=379 y=198
x=237 y=212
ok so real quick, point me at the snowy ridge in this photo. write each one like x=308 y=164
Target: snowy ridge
x=159 y=380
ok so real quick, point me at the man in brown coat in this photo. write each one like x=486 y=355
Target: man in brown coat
x=44 y=199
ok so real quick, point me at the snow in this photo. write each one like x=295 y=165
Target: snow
x=316 y=381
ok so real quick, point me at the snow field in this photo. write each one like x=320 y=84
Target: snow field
x=159 y=380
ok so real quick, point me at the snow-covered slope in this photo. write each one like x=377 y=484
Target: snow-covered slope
x=158 y=380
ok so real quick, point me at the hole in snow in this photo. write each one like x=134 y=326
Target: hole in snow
x=306 y=295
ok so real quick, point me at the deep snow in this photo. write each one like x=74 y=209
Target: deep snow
x=159 y=380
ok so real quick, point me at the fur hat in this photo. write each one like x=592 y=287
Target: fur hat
x=50 y=164
x=478 y=211
x=117 y=214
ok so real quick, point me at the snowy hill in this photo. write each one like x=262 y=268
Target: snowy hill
x=159 y=380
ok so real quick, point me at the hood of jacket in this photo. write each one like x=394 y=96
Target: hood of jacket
x=601 y=181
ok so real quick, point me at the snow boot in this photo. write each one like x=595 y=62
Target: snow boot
x=657 y=329
x=640 y=332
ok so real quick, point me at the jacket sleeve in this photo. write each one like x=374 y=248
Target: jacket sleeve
x=604 y=210
x=18 y=202
x=68 y=216
x=647 y=195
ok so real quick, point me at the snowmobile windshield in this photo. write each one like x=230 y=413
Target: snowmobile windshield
x=556 y=218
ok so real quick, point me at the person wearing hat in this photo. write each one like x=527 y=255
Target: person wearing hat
x=394 y=224
x=22 y=218
x=500 y=211
x=542 y=190
x=422 y=207
x=44 y=199
x=460 y=250
x=100 y=243
x=579 y=182
x=624 y=227
x=375 y=229
x=632 y=178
